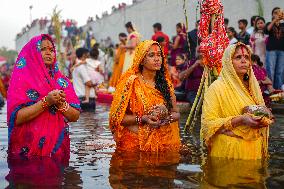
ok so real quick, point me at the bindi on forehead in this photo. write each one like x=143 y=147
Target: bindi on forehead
x=242 y=50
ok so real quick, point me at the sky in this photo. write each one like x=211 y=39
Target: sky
x=15 y=14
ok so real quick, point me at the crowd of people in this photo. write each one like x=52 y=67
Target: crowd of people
x=148 y=77
x=182 y=53
x=265 y=39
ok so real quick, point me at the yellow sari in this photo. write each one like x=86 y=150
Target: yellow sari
x=138 y=98
x=129 y=55
x=225 y=100
x=118 y=65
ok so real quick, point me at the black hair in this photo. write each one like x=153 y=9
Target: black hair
x=244 y=21
x=161 y=84
x=182 y=56
x=46 y=37
x=179 y=25
x=226 y=21
x=129 y=25
x=274 y=9
x=96 y=45
x=255 y=58
x=158 y=26
x=122 y=35
x=163 y=87
x=258 y=18
x=81 y=51
x=231 y=29
x=94 y=53
x=160 y=39
x=252 y=19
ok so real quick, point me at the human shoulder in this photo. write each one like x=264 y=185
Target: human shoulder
x=165 y=35
x=80 y=67
x=216 y=87
x=80 y=70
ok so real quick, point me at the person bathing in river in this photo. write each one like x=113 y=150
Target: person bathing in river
x=144 y=115
x=40 y=102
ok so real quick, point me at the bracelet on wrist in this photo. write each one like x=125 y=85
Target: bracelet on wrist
x=44 y=103
x=65 y=108
x=138 y=120
x=171 y=118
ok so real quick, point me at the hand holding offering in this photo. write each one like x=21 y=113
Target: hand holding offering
x=259 y=113
x=160 y=111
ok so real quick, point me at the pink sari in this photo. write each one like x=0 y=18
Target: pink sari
x=31 y=80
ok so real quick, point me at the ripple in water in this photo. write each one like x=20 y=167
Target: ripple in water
x=94 y=163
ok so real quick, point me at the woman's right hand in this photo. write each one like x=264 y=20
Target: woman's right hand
x=251 y=121
x=150 y=120
x=53 y=97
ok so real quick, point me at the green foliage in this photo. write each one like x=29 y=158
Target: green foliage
x=55 y=18
x=11 y=55
x=260 y=7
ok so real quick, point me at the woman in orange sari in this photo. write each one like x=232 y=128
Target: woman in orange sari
x=143 y=114
x=118 y=61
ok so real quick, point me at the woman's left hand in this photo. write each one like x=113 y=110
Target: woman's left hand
x=62 y=98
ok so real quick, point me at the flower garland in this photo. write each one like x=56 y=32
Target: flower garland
x=212 y=44
x=214 y=41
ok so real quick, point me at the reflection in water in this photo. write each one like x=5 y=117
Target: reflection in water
x=229 y=173
x=36 y=172
x=143 y=170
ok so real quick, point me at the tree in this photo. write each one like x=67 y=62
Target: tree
x=11 y=55
x=55 y=19
x=259 y=7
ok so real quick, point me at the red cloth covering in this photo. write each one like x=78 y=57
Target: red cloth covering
x=212 y=44
x=104 y=97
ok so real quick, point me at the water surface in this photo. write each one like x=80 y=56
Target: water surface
x=95 y=164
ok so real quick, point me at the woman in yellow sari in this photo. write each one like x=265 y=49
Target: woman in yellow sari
x=133 y=40
x=225 y=130
x=143 y=114
x=118 y=61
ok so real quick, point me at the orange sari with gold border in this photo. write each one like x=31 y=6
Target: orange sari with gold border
x=137 y=97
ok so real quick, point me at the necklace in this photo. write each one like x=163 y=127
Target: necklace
x=146 y=81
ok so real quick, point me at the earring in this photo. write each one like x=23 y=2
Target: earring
x=246 y=77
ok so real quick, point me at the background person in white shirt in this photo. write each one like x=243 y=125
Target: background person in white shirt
x=231 y=32
x=81 y=78
x=250 y=30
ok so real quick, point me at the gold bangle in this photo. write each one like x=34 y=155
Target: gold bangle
x=65 y=108
x=44 y=104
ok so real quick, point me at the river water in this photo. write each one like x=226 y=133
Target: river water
x=94 y=163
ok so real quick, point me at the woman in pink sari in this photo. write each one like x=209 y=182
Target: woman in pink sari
x=41 y=101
